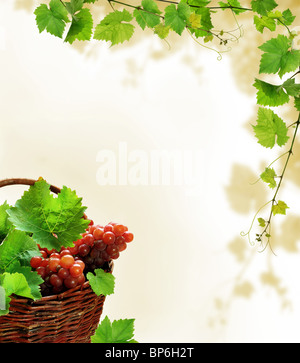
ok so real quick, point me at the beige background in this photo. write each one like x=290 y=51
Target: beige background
x=188 y=277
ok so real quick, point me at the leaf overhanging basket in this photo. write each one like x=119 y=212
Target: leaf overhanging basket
x=69 y=317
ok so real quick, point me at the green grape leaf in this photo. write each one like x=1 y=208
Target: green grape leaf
x=269 y=94
x=233 y=5
x=119 y=331
x=115 y=27
x=17 y=246
x=53 y=221
x=288 y=17
x=33 y=279
x=268 y=176
x=262 y=222
x=195 y=20
x=162 y=30
x=102 y=283
x=53 y=19
x=264 y=22
x=292 y=88
x=14 y=283
x=206 y=23
x=147 y=16
x=5 y=224
x=279 y=208
x=177 y=17
x=278 y=57
x=73 y=6
x=81 y=27
x=262 y=7
x=269 y=127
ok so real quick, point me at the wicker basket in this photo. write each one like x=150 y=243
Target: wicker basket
x=69 y=317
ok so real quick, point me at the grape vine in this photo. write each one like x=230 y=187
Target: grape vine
x=280 y=58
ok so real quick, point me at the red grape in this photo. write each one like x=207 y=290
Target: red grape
x=36 y=261
x=80 y=279
x=64 y=252
x=54 y=263
x=98 y=233
x=70 y=282
x=67 y=261
x=128 y=236
x=63 y=273
x=55 y=280
x=122 y=246
x=41 y=270
x=108 y=228
x=119 y=229
x=88 y=240
x=112 y=249
x=108 y=238
x=99 y=245
x=75 y=270
x=83 y=250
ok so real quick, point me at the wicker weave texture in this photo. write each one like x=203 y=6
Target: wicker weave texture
x=70 y=317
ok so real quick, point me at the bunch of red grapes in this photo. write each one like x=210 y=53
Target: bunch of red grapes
x=67 y=268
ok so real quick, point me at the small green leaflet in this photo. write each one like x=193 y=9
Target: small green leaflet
x=270 y=128
x=279 y=208
x=53 y=221
x=115 y=27
x=161 y=30
x=119 y=331
x=206 y=23
x=195 y=20
x=146 y=15
x=102 y=283
x=53 y=19
x=288 y=17
x=14 y=283
x=268 y=176
x=17 y=246
x=33 y=279
x=278 y=57
x=264 y=22
x=81 y=27
x=269 y=94
x=262 y=222
x=291 y=87
x=273 y=95
x=262 y=7
x=177 y=17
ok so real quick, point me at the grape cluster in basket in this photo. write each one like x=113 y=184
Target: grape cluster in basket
x=67 y=268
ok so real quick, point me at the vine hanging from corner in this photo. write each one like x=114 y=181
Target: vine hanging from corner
x=72 y=20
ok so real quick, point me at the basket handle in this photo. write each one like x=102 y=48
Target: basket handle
x=25 y=181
